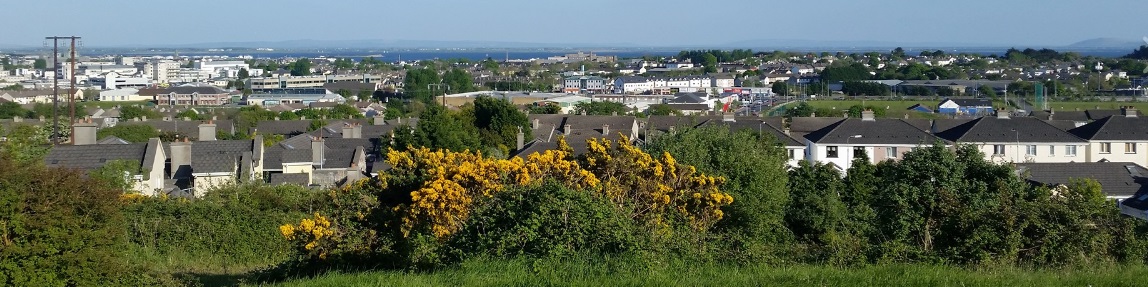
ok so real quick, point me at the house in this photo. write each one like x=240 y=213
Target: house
x=966 y=107
x=1118 y=180
x=1120 y=138
x=199 y=166
x=193 y=95
x=584 y=84
x=324 y=162
x=1019 y=139
x=691 y=109
x=632 y=85
x=87 y=156
x=880 y=139
x=123 y=95
x=795 y=149
x=576 y=129
x=26 y=97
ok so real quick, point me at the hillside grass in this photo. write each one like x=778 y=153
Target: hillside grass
x=624 y=272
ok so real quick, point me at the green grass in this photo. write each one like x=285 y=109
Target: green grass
x=1069 y=106
x=104 y=105
x=626 y=273
x=896 y=109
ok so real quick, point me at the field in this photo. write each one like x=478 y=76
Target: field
x=615 y=273
x=1069 y=106
x=895 y=109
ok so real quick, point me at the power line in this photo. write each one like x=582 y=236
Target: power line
x=56 y=84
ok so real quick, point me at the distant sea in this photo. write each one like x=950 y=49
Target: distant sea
x=622 y=53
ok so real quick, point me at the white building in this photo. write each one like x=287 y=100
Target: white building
x=1022 y=139
x=1119 y=138
x=122 y=95
x=113 y=80
x=879 y=139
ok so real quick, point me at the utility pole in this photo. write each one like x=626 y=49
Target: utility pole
x=56 y=84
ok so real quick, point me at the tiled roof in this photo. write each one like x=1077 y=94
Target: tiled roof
x=290 y=178
x=756 y=126
x=288 y=128
x=1081 y=116
x=185 y=90
x=875 y=132
x=90 y=157
x=1100 y=114
x=1119 y=179
x=1114 y=128
x=1017 y=129
x=1064 y=125
x=213 y=163
x=296 y=155
x=113 y=140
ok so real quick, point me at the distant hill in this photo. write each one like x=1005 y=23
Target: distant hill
x=1107 y=43
x=377 y=43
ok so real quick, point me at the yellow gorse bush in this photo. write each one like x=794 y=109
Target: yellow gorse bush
x=315 y=234
x=447 y=184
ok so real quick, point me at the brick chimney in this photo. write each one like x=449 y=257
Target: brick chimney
x=207 y=131
x=84 y=132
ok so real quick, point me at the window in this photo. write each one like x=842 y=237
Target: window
x=1070 y=150
x=791 y=154
x=1051 y=150
x=891 y=152
x=1129 y=148
x=1030 y=150
x=858 y=151
x=831 y=152
x=1105 y=147
x=998 y=149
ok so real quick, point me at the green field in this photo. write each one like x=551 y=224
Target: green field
x=895 y=109
x=1069 y=106
x=607 y=273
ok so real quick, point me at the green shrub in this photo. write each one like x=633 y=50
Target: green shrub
x=58 y=228
x=545 y=221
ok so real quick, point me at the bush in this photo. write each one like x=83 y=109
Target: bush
x=58 y=228
x=545 y=221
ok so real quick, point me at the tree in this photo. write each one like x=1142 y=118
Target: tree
x=439 y=128
x=802 y=109
x=243 y=73
x=499 y=122
x=135 y=112
x=815 y=213
x=459 y=81
x=301 y=67
x=662 y=110
x=844 y=72
x=131 y=133
x=756 y=179
x=987 y=91
x=710 y=62
x=9 y=110
x=546 y=109
x=40 y=64
x=415 y=84
x=601 y=108
x=344 y=111
x=780 y=88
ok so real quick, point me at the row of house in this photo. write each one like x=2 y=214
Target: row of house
x=670 y=85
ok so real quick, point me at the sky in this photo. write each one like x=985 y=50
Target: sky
x=107 y=23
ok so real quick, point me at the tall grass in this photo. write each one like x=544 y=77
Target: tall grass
x=631 y=272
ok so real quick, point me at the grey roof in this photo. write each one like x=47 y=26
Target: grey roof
x=757 y=126
x=1080 y=116
x=663 y=123
x=808 y=125
x=185 y=90
x=302 y=141
x=1064 y=125
x=90 y=157
x=183 y=128
x=290 y=178
x=1118 y=179
x=288 y=128
x=690 y=107
x=875 y=132
x=213 y=163
x=215 y=156
x=352 y=87
x=579 y=124
x=689 y=98
x=1100 y=114
x=1114 y=128
x=112 y=140
x=1017 y=129
x=296 y=155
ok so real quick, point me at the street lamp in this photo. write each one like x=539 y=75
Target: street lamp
x=854 y=153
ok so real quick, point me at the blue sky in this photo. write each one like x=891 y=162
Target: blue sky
x=645 y=22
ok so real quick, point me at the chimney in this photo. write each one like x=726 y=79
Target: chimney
x=207 y=131
x=867 y=116
x=358 y=129
x=728 y=118
x=348 y=131
x=520 y=139
x=813 y=115
x=317 y=151
x=605 y=130
x=143 y=118
x=276 y=118
x=614 y=113
x=180 y=158
x=672 y=129
x=379 y=120
x=302 y=118
x=535 y=124
x=41 y=119
x=85 y=133
x=1002 y=113
x=566 y=129
x=17 y=119
x=1129 y=111
x=214 y=118
x=785 y=130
